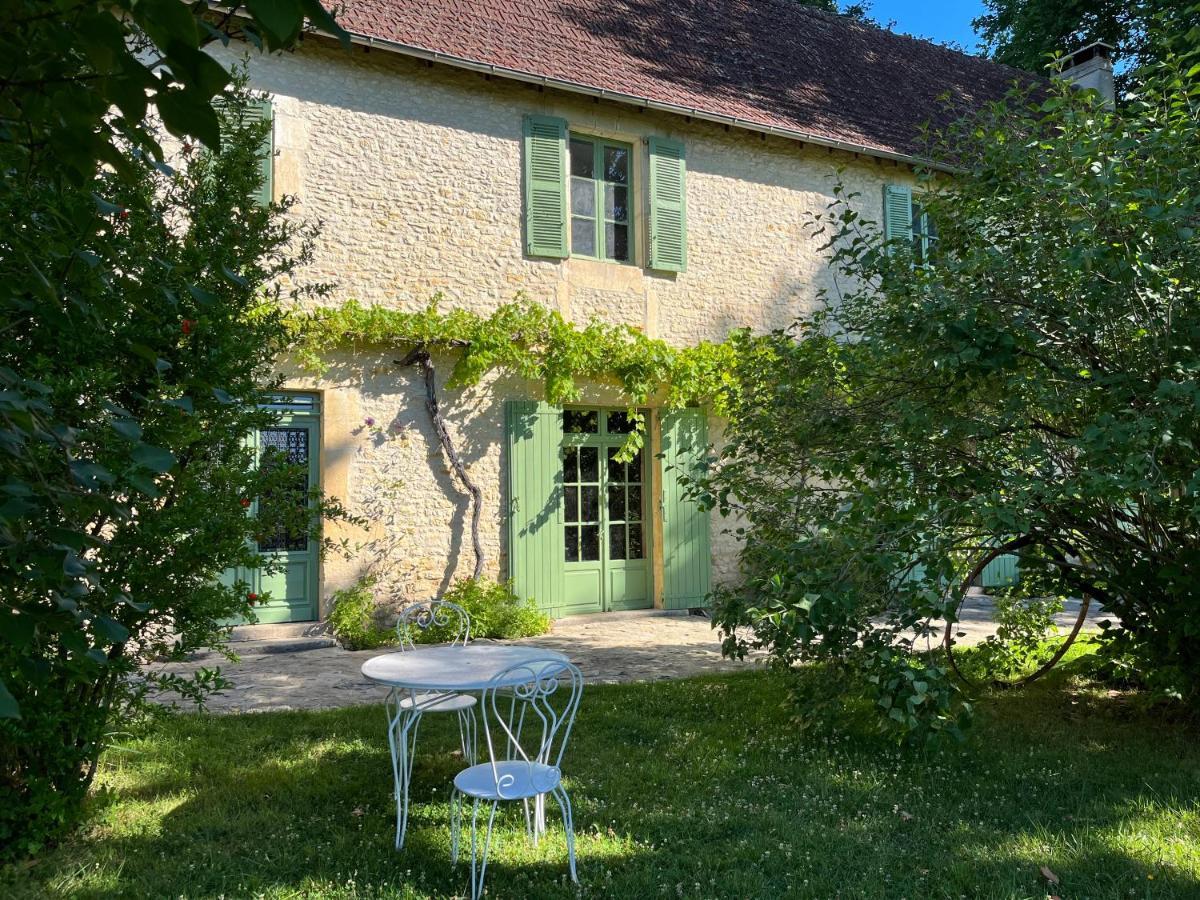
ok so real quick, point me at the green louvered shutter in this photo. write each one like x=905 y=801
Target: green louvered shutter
x=686 y=557
x=535 y=534
x=261 y=111
x=668 y=206
x=897 y=213
x=546 y=186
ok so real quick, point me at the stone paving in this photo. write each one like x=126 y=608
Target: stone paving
x=613 y=647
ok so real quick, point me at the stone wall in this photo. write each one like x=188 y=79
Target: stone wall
x=414 y=172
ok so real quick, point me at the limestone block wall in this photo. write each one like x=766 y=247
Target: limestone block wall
x=414 y=172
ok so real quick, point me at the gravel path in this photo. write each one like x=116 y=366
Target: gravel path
x=608 y=648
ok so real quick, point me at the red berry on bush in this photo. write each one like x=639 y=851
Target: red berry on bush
x=245 y=503
x=187 y=325
x=123 y=215
x=252 y=597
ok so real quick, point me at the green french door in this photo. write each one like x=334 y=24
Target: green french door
x=289 y=585
x=603 y=515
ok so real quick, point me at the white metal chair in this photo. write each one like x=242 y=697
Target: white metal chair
x=539 y=697
x=405 y=707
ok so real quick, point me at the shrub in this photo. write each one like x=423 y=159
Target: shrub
x=129 y=383
x=352 y=618
x=495 y=611
x=1036 y=377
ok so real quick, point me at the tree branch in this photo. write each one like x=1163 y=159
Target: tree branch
x=420 y=357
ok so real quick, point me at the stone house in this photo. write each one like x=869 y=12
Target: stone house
x=643 y=162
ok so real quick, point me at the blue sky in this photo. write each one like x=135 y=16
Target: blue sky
x=941 y=20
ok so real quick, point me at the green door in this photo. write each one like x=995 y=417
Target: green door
x=687 y=560
x=289 y=584
x=578 y=508
x=603 y=515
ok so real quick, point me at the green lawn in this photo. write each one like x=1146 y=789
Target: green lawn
x=695 y=788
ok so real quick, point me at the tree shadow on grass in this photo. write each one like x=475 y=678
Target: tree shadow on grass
x=698 y=788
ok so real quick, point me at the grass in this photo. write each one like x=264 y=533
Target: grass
x=700 y=788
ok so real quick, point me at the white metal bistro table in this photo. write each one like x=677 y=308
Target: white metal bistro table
x=426 y=676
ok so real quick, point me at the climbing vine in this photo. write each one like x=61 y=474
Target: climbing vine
x=531 y=341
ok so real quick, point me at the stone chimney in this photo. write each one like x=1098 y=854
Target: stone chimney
x=1091 y=68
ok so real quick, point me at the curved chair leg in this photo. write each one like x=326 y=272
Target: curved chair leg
x=564 y=802
x=466 y=733
x=479 y=863
x=456 y=799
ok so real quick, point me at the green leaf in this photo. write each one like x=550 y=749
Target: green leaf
x=187 y=113
x=156 y=459
x=280 y=19
x=110 y=628
x=9 y=708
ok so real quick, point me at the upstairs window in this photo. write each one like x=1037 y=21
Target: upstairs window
x=579 y=190
x=905 y=220
x=600 y=227
x=924 y=236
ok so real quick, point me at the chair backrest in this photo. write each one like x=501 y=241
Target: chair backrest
x=449 y=620
x=528 y=712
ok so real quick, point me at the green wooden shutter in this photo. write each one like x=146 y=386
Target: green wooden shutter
x=897 y=213
x=535 y=535
x=686 y=556
x=546 y=186
x=668 y=206
x=261 y=111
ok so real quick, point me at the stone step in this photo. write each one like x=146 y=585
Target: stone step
x=278 y=632
x=244 y=648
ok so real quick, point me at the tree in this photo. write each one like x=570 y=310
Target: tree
x=859 y=11
x=1027 y=33
x=136 y=337
x=1037 y=378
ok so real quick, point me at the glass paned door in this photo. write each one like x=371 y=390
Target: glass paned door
x=603 y=515
x=289 y=583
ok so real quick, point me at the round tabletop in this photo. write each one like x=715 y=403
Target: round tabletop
x=452 y=667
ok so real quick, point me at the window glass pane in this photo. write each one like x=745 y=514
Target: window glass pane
x=616 y=470
x=618 y=423
x=572 y=536
x=570 y=464
x=590 y=543
x=616 y=502
x=635 y=467
x=583 y=237
x=616 y=541
x=583 y=158
x=616 y=164
x=616 y=241
x=571 y=504
x=635 y=504
x=635 y=542
x=580 y=421
x=589 y=464
x=583 y=197
x=917 y=218
x=590 y=507
x=616 y=202
x=284 y=448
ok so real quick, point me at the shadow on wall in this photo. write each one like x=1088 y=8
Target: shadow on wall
x=429 y=494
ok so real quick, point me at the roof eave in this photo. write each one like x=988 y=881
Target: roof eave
x=574 y=87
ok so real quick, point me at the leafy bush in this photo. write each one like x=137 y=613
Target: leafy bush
x=352 y=618
x=495 y=611
x=1037 y=377
x=130 y=382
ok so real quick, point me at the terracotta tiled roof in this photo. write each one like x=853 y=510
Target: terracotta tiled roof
x=773 y=64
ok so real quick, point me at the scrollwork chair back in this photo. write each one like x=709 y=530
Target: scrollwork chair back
x=418 y=618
